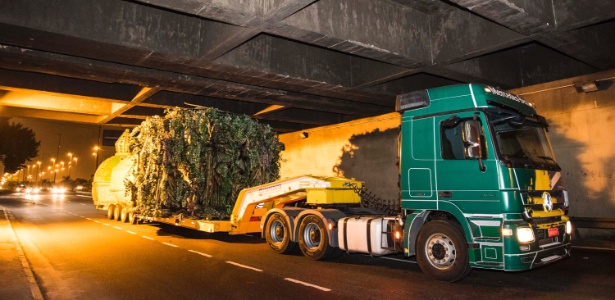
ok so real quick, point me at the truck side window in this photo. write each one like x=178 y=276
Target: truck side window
x=452 y=142
x=457 y=144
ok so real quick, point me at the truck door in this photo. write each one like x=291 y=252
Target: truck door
x=466 y=167
x=417 y=167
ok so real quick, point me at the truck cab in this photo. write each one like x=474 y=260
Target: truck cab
x=480 y=186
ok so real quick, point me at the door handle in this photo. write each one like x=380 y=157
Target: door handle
x=445 y=194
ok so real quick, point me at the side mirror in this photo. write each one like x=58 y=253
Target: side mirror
x=472 y=142
x=471 y=139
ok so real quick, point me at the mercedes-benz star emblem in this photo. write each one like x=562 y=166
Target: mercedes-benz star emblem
x=547 y=202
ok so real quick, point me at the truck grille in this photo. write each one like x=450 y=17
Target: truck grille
x=548 y=242
x=540 y=221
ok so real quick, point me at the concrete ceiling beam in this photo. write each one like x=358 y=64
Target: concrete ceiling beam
x=71 y=87
x=526 y=17
x=20 y=112
x=380 y=30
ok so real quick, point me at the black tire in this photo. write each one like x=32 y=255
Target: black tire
x=110 y=211
x=117 y=213
x=442 y=251
x=132 y=218
x=277 y=234
x=314 y=239
x=124 y=215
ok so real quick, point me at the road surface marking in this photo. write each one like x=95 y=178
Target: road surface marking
x=118 y=228
x=106 y=224
x=169 y=244
x=88 y=219
x=200 y=253
x=131 y=232
x=308 y=284
x=243 y=266
x=97 y=221
x=147 y=237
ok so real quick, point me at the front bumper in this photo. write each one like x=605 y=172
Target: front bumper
x=535 y=259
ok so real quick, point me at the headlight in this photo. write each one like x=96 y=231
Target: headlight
x=525 y=235
x=568 y=228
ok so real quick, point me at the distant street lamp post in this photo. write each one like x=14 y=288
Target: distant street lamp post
x=62 y=168
x=38 y=166
x=53 y=165
x=54 y=159
x=70 y=163
x=70 y=160
x=95 y=154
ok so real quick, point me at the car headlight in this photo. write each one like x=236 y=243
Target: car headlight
x=525 y=235
x=568 y=228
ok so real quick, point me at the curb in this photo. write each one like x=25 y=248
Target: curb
x=33 y=284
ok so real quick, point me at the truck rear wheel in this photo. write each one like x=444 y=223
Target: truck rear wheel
x=117 y=212
x=124 y=215
x=314 y=239
x=442 y=251
x=132 y=218
x=110 y=211
x=277 y=234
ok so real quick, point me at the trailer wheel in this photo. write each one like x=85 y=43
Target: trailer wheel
x=442 y=251
x=132 y=218
x=314 y=239
x=277 y=234
x=117 y=212
x=110 y=211
x=124 y=215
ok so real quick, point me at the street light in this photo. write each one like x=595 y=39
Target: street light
x=70 y=160
x=95 y=154
x=38 y=165
x=70 y=163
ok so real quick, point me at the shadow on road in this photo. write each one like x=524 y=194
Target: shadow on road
x=185 y=233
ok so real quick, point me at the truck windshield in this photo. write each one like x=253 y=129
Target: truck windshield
x=522 y=142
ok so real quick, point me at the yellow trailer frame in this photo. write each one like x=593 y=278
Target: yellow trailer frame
x=254 y=202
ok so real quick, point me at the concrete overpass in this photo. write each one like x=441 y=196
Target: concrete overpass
x=294 y=64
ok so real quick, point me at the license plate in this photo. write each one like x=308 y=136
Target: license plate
x=553 y=232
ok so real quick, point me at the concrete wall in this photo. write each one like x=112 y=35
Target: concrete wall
x=583 y=137
x=582 y=133
x=365 y=149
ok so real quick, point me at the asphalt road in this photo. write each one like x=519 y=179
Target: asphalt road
x=76 y=253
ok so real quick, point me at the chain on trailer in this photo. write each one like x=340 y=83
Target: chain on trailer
x=373 y=201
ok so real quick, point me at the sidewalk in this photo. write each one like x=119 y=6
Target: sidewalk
x=16 y=278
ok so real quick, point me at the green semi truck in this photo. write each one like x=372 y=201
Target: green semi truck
x=480 y=188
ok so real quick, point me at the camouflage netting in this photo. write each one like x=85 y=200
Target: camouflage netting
x=196 y=162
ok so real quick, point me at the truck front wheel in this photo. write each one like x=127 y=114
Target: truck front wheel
x=277 y=234
x=314 y=239
x=442 y=251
